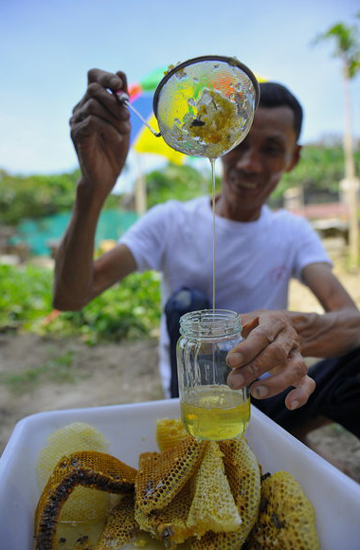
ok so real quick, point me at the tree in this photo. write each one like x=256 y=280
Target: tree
x=36 y=196
x=347 y=48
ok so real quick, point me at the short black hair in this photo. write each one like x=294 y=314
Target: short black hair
x=273 y=94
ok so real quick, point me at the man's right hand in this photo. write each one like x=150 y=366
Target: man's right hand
x=271 y=345
x=100 y=130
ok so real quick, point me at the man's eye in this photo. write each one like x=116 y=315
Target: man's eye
x=274 y=151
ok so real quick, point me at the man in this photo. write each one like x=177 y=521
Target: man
x=258 y=253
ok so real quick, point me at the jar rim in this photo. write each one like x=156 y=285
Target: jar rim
x=203 y=313
x=210 y=323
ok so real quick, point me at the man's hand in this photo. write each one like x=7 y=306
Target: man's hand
x=271 y=345
x=100 y=130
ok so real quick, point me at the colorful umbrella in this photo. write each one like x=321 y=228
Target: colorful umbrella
x=142 y=140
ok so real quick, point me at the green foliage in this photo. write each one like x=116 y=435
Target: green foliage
x=130 y=310
x=321 y=168
x=37 y=196
x=34 y=196
x=176 y=182
x=25 y=295
x=347 y=45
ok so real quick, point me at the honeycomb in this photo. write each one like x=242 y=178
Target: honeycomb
x=170 y=523
x=286 y=519
x=87 y=468
x=216 y=119
x=169 y=433
x=217 y=541
x=83 y=504
x=243 y=472
x=162 y=475
x=120 y=527
x=213 y=507
x=207 y=495
x=212 y=125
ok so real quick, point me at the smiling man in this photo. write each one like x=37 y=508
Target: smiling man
x=254 y=168
x=257 y=253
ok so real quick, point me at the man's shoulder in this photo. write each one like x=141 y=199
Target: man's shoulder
x=288 y=225
x=285 y=217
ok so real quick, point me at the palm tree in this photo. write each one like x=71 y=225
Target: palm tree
x=347 y=48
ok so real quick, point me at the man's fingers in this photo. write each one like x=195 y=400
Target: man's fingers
x=299 y=396
x=100 y=80
x=94 y=108
x=293 y=373
x=123 y=78
x=101 y=86
x=89 y=125
x=269 y=329
x=106 y=99
x=249 y=326
x=107 y=80
x=273 y=355
x=271 y=347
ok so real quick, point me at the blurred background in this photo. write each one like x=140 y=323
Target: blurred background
x=47 y=47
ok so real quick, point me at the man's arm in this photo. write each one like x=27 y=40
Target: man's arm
x=277 y=341
x=335 y=332
x=78 y=278
x=100 y=131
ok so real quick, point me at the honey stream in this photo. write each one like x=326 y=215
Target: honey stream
x=212 y=164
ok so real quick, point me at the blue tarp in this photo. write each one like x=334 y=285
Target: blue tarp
x=38 y=234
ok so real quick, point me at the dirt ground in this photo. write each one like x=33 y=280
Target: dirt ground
x=39 y=374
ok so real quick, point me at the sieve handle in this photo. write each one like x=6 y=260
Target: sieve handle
x=125 y=100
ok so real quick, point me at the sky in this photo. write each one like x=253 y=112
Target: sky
x=47 y=47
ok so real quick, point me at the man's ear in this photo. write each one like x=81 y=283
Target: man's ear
x=295 y=158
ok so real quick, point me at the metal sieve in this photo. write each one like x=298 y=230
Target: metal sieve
x=205 y=106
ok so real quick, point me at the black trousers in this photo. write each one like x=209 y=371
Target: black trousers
x=179 y=303
x=337 y=393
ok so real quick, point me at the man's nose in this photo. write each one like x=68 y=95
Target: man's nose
x=249 y=161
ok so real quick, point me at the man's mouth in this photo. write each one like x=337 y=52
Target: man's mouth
x=247 y=185
x=243 y=183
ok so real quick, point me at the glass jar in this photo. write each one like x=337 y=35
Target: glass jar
x=210 y=409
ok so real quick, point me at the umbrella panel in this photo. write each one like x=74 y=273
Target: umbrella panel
x=142 y=140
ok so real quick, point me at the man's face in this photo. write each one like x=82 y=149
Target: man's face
x=253 y=169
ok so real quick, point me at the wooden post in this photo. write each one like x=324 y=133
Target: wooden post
x=351 y=182
x=140 y=190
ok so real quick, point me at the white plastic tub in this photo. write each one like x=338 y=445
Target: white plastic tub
x=131 y=430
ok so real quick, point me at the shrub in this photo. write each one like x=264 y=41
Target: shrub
x=130 y=310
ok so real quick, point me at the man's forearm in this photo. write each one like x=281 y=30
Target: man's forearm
x=331 y=334
x=75 y=256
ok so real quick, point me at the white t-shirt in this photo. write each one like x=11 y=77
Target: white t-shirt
x=254 y=260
